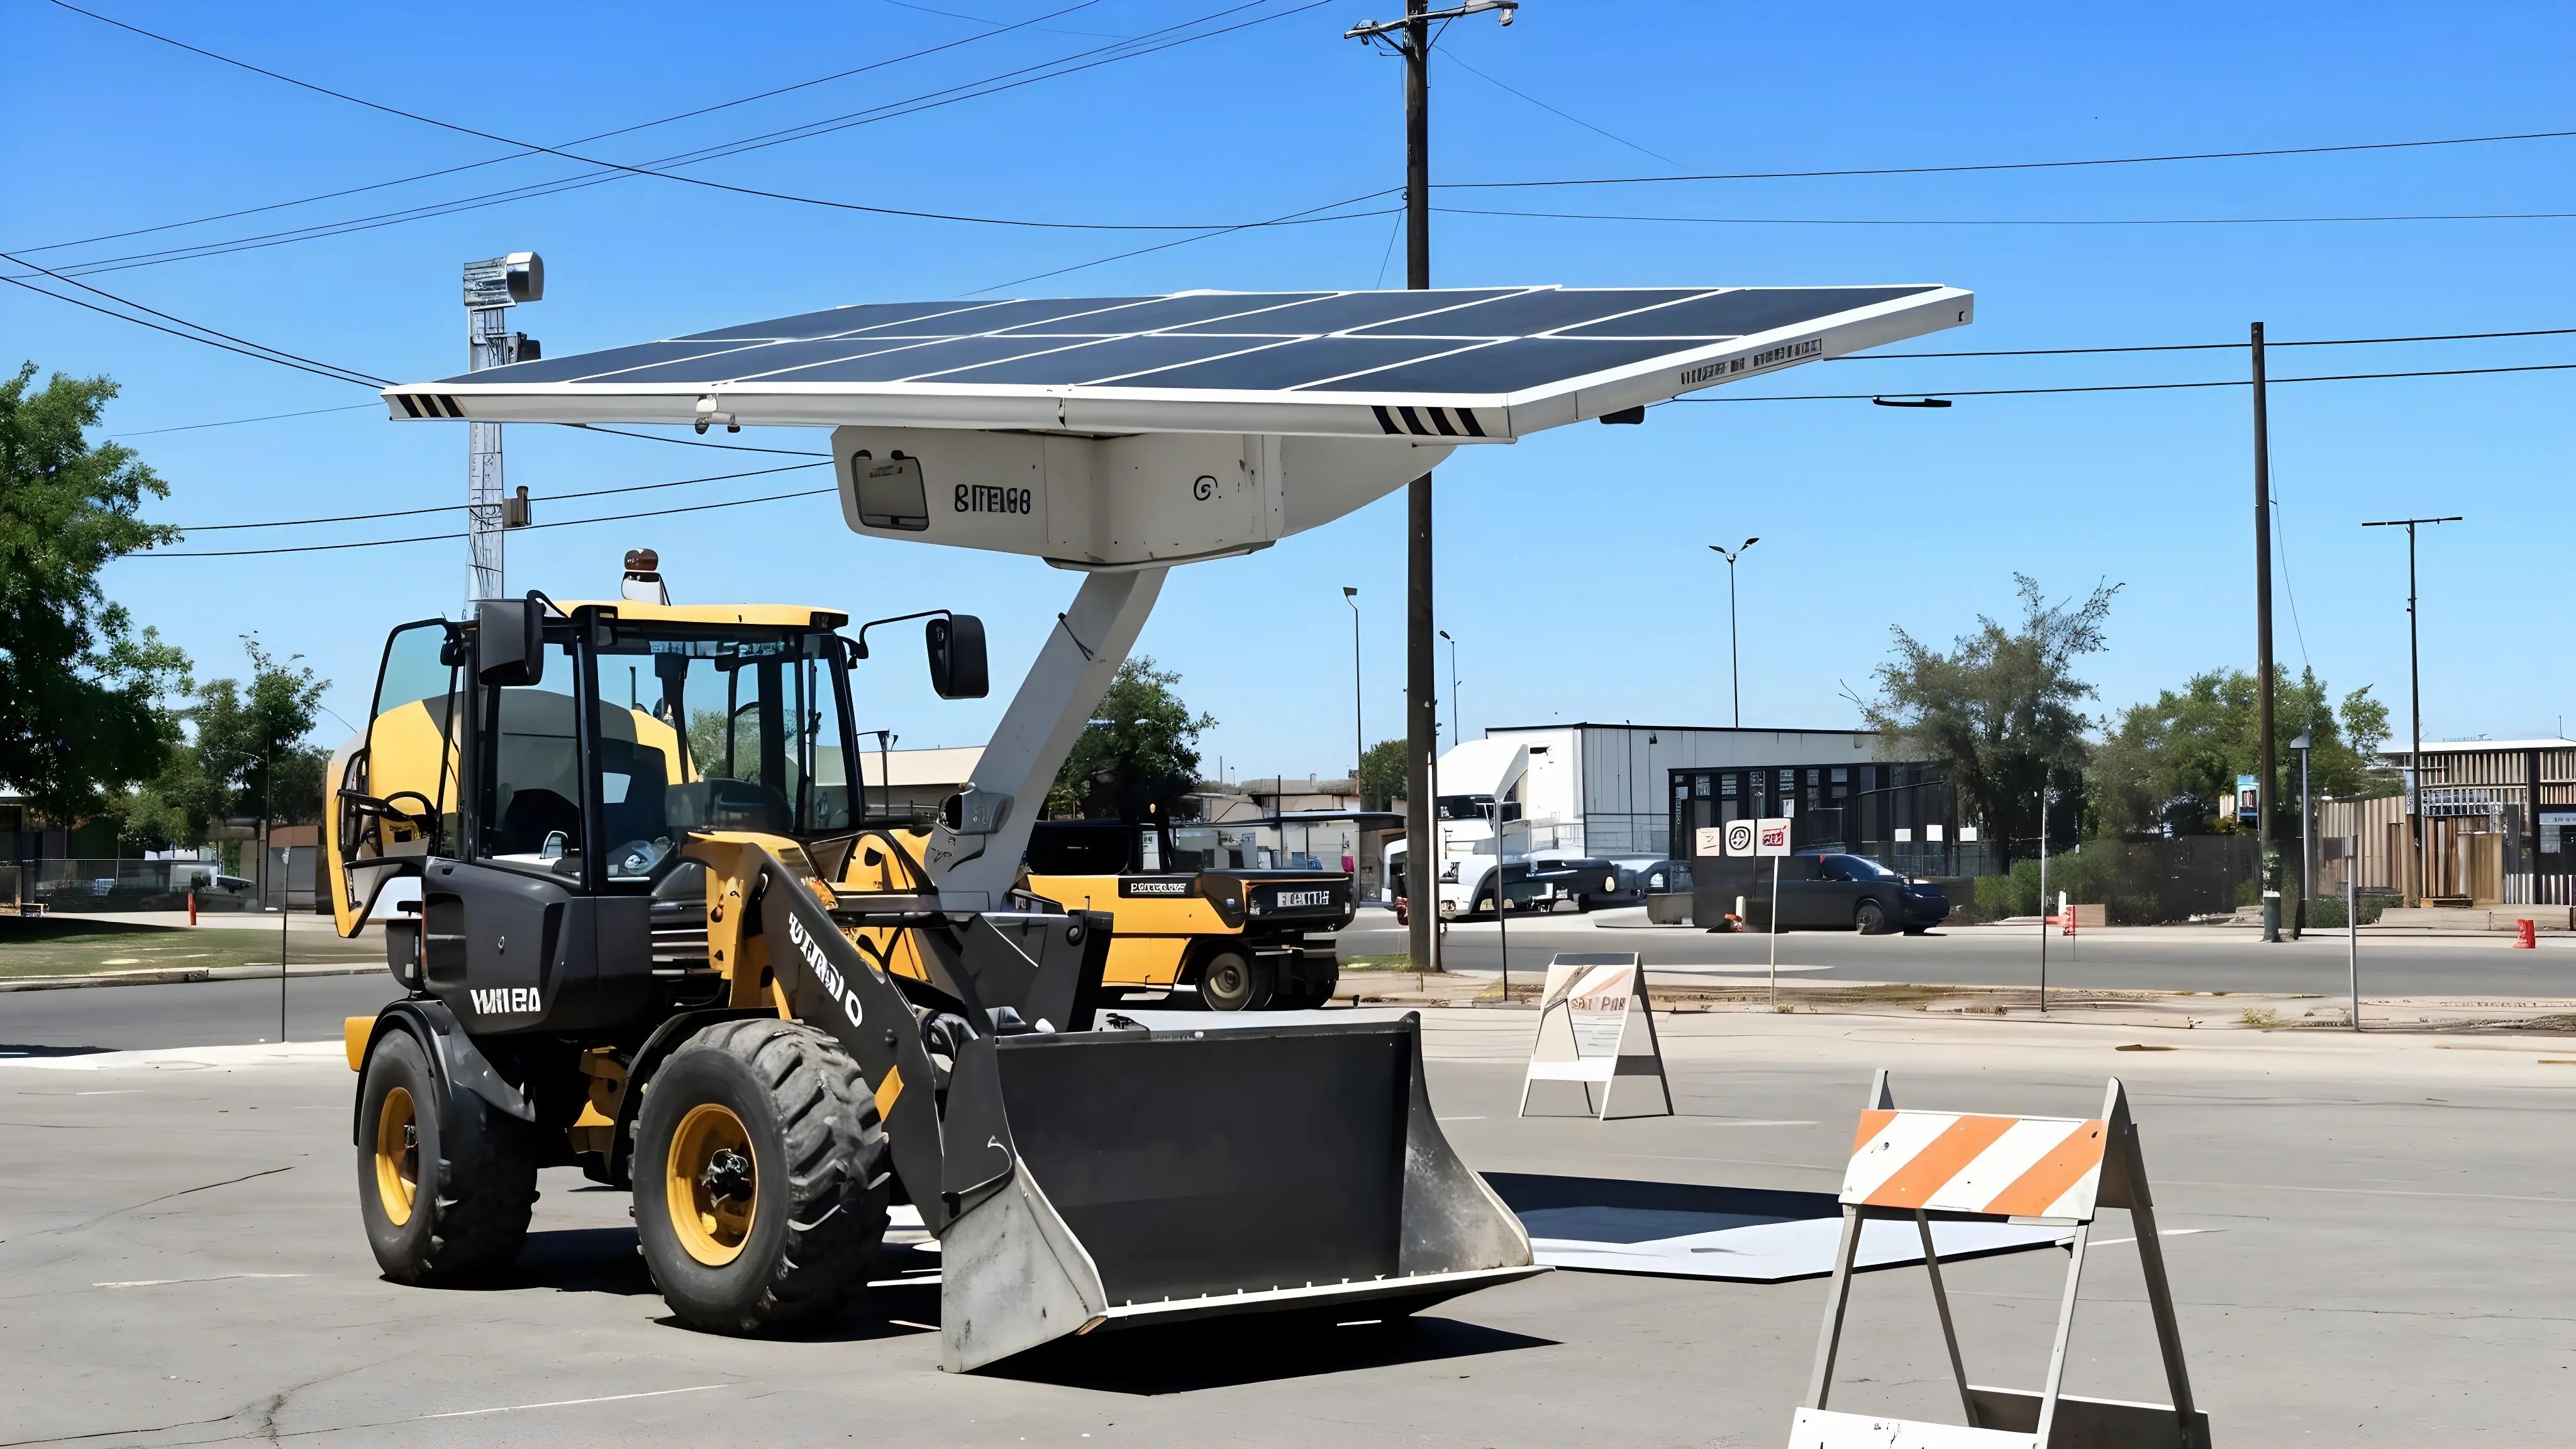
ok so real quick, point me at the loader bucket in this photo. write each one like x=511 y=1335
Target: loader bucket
x=1169 y=1175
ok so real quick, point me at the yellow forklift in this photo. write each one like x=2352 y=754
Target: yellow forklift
x=1241 y=940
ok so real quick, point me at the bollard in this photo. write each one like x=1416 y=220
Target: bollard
x=2525 y=935
x=192 y=908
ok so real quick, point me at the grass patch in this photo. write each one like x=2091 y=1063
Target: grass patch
x=2262 y=1017
x=1400 y=961
x=56 y=946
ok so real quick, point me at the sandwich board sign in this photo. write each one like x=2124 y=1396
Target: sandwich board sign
x=1595 y=1025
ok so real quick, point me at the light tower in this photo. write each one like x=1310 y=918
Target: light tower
x=491 y=288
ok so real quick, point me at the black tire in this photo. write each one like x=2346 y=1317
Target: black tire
x=1327 y=979
x=1870 y=918
x=788 y=1130
x=1916 y=930
x=445 y=1186
x=1233 y=980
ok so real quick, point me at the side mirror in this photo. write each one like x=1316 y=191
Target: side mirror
x=510 y=644
x=957 y=669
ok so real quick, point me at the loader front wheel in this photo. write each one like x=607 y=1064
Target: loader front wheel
x=760 y=1177
x=445 y=1193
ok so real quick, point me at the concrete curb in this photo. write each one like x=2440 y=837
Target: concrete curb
x=178 y=975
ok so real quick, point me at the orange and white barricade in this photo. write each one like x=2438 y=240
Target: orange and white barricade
x=1595 y=1025
x=1958 y=1167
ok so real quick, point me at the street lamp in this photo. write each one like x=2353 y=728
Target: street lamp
x=1455 y=738
x=1359 y=732
x=2414 y=696
x=2307 y=861
x=1735 y=679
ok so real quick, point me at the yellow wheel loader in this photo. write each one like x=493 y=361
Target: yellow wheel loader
x=1238 y=939
x=654 y=937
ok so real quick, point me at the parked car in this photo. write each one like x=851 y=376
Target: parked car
x=1856 y=893
x=1664 y=877
x=1830 y=891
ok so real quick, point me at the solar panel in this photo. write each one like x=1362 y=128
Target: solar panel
x=1489 y=362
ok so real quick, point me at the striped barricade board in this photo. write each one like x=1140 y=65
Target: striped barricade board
x=1968 y=1167
x=1595 y=1026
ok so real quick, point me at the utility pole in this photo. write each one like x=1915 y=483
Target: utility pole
x=492 y=287
x=1410 y=38
x=2267 y=781
x=1734 y=674
x=1359 y=730
x=2414 y=697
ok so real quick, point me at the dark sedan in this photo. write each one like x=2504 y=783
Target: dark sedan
x=1827 y=892
x=1856 y=893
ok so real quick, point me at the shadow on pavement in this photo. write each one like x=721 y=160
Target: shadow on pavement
x=29 y=1049
x=1224 y=1353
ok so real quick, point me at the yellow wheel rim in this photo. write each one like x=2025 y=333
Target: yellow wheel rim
x=712 y=1183
x=397 y=1156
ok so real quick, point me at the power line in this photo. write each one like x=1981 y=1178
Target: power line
x=452 y=537
x=237 y=422
x=695 y=442
x=2125 y=386
x=613 y=171
x=461 y=507
x=712 y=185
x=577 y=141
x=211 y=337
x=1454 y=59
x=2204 y=346
x=2006 y=165
x=1309 y=212
x=2008 y=221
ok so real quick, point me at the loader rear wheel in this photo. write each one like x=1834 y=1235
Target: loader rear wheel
x=1235 y=981
x=760 y=1177
x=445 y=1193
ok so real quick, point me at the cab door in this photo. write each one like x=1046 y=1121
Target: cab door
x=406 y=757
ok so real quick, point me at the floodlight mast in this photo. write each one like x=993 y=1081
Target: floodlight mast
x=492 y=287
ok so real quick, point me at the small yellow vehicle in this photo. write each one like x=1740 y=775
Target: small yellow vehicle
x=1239 y=938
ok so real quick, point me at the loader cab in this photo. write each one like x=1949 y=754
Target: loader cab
x=540 y=768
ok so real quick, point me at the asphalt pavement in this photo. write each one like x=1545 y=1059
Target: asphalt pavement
x=2155 y=958
x=2367 y=1248
x=201 y=1013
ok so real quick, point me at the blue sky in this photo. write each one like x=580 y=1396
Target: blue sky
x=1573 y=565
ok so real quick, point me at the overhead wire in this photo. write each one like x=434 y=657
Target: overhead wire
x=2206 y=346
x=577 y=141
x=2010 y=221
x=1957 y=168
x=450 y=537
x=211 y=337
x=461 y=507
x=612 y=171
x=2120 y=386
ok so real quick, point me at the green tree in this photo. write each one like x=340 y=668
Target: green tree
x=1144 y=758
x=1382 y=775
x=81 y=692
x=2174 y=760
x=242 y=733
x=1999 y=712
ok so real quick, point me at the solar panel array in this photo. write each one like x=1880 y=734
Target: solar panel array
x=1484 y=341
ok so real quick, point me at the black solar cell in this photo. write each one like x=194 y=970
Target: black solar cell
x=1531 y=312
x=1352 y=309
x=1745 y=310
x=919 y=360
x=586 y=364
x=1103 y=361
x=1294 y=364
x=830 y=321
x=1503 y=367
x=1181 y=311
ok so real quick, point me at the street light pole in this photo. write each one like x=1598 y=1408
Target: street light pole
x=1734 y=675
x=1359 y=730
x=2414 y=696
x=2307 y=860
x=1455 y=738
x=1410 y=38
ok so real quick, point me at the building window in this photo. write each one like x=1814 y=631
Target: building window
x=1726 y=786
x=1699 y=786
x=1841 y=775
